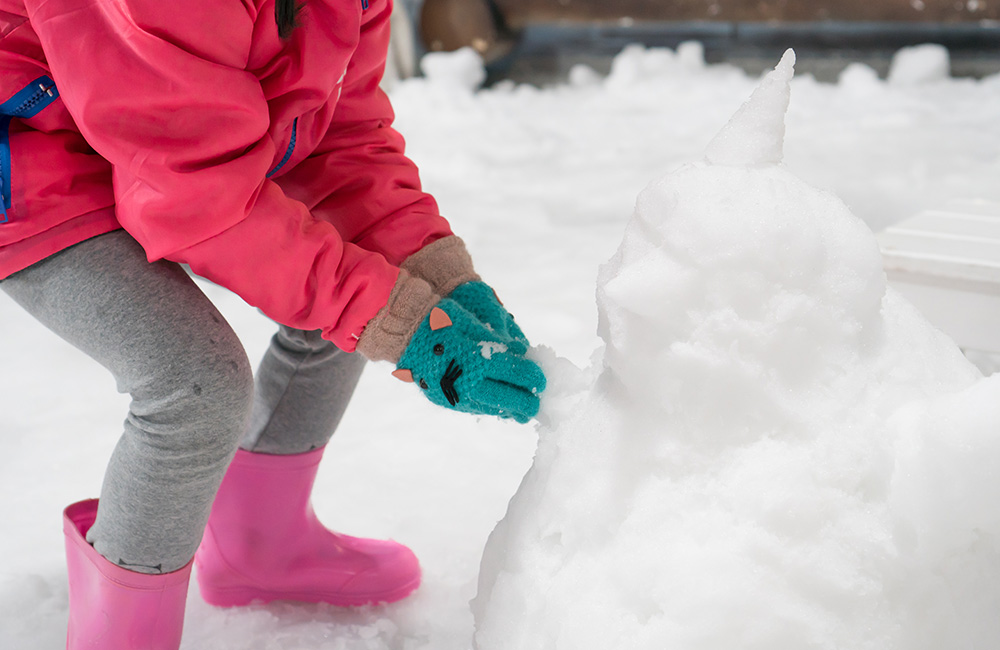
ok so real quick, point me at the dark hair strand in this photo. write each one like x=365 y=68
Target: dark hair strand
x=286 y=15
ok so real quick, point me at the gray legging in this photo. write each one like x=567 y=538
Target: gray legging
x=194 y=399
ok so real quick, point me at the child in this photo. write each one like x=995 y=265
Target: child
x=250 y=140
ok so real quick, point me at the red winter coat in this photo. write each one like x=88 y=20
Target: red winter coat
x=267 y=165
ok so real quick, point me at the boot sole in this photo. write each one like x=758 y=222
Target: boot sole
x=241 y=596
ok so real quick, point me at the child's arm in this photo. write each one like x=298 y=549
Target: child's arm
x=160 y=91
x=359 y=178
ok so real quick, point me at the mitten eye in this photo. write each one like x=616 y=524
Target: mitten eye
x=423 y=384
x=439 y=349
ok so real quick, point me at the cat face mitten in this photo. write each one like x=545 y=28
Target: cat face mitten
x=450 y=335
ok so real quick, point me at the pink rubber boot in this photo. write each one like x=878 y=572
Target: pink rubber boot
x=111 y=608
x=263 y=542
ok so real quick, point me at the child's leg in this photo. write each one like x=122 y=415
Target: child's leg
x=304 y=384
x=187 y=373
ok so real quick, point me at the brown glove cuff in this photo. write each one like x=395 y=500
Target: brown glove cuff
x=389 y=332
x=445 y=264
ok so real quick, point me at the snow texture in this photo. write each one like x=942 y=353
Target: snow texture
x=817 y=471
x=776 y=451
x=489 y=348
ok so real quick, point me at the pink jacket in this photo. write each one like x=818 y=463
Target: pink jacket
x=269 y=166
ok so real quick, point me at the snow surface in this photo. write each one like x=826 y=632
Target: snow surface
x=819 y=514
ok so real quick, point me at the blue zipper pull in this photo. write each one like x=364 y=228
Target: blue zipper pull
x=364 y=5
x=288 y=151
x=28 y=102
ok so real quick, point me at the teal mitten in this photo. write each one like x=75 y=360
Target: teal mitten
x=480 y=299
x=462 y=364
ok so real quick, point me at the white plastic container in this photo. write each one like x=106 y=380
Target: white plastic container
x=947 y=263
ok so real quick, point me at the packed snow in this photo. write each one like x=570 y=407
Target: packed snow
x=752 y=467
x=761 y=448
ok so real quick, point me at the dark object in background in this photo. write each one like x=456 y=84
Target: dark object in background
x=538 y=41
x=520 y=13
x=448 y=25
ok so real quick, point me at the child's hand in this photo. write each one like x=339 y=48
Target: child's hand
x=463 y=362
x=480 y=299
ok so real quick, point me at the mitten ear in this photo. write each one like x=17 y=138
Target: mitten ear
x=439 y=319
x=403 y=375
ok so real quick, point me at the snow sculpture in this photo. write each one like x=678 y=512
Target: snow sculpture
x=776 y=452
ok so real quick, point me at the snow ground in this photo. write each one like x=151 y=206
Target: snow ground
x=540 y=183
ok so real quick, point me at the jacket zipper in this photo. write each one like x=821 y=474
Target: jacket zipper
x=288 y=151
x=28 y=102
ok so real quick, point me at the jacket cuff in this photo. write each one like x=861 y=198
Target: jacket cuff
x=444 y=264
x=389 y=332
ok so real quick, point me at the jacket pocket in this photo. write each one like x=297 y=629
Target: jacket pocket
x=28 y=102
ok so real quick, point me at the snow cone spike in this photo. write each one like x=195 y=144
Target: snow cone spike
x=403 y=374
x=439 y=319
x=755 y=135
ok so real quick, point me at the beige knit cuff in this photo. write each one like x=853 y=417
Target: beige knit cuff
x=445 y=264
x=389 y=332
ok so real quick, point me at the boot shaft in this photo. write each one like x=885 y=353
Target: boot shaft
x=112 y=608
x=273 y=492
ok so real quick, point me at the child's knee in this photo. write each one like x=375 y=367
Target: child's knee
x=200 y=396
x=220 y=395
x=221 y=392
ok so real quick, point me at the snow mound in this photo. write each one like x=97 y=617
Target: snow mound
x=920 y=64
x=775 y=451
x=462 y=70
